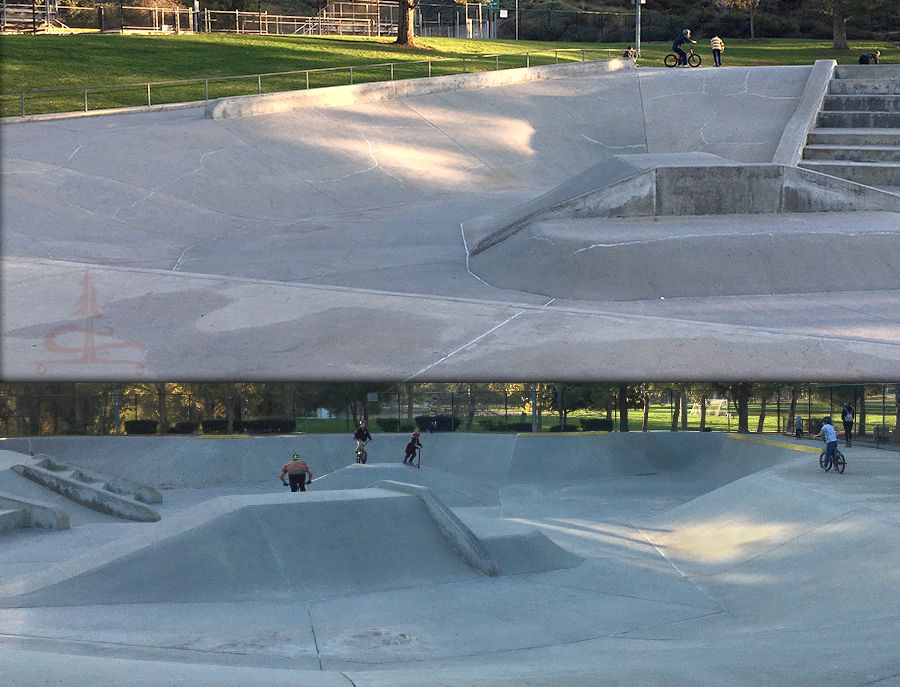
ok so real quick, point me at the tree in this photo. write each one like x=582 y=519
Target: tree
x=839 y=24
x=406 y=32
x=751 y=6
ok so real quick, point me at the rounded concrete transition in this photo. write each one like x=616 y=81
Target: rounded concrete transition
x=333 y=240
x=626 y=559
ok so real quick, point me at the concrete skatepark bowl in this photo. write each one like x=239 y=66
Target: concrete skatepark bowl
x=658 y=558
x=367 y=232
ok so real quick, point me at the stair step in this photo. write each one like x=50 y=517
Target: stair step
x=854 y=137
x=842 y=120
x=867 y=71
x=868 y=173
x=861 y=103
x=864 y=86
x=852 y=153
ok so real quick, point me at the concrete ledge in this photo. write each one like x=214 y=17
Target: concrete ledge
x=460 y=536
x=117 y=485
x=35 y=514
x=793 y=139
x=336 y=96
x=721 y=189
x=89 y=495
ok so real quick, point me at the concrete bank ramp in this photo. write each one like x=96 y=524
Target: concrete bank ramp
x=785 y=540
x=253 y=548
x=709 y=458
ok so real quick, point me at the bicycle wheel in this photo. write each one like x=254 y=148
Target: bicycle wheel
x=822 y=465
x=671 y=60
x=363 y=456
x=839 y=463
x=694 y=59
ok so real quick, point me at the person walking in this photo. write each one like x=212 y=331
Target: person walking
x=717 y=47
x=847 y=419
x=298 y=473
x=798 y=427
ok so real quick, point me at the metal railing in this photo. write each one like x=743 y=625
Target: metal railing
x=188 y=90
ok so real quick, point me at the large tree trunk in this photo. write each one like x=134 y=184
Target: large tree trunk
x=646 y=411
x=623 y=408
x=676 y=410
x=742 y=401
x=839 y=25
x=795 y=395
x=163 y=426
x=762 y=415
x=406 y=30
x=702 y=413
x=861 y=415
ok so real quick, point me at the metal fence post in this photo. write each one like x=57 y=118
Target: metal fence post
x=351 y=76
x=259 y=84
x=206 y=89
x=23 y=103
x=85 y=101
x=148 y=95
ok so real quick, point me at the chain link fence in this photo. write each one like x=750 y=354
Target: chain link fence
x=34 y=412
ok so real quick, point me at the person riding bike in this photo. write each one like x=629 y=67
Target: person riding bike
x=411 y=447
x=828 y=434
x=362 y=436
x=298 y=473
x=685 y=37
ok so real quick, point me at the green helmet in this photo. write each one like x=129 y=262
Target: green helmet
x=295 y=457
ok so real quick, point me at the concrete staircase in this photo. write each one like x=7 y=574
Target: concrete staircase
x=857 y=134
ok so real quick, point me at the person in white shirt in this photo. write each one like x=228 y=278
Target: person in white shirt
x=827 y=432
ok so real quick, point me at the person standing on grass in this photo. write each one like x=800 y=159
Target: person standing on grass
x=798 y=427
x=717 y=47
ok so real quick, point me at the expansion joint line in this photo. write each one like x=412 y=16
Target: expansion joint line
x=312 y=629
x=465 y=346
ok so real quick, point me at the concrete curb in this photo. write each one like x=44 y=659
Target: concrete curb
x=460 y=536
x=88 y=495
x=337 y=96
x=794 y=137
x=38 y=515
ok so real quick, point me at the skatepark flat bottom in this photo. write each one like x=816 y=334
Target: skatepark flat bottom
x=675 y=558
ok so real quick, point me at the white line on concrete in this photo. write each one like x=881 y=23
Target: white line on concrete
x=465 y=346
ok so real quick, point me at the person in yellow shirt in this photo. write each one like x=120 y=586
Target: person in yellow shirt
x=717 y=47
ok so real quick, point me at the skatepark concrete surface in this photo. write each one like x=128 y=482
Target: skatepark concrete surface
x=620 y=559
x=333 y=238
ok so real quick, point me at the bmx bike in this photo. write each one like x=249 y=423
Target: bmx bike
x=361 y=455
x=693 y=59
x=838 y=462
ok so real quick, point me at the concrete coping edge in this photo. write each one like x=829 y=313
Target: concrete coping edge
x=460 y=536
x=793 y=139
x=351 y=94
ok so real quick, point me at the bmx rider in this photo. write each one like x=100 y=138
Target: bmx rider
x=298 y=473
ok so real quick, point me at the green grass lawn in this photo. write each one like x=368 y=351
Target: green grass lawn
x=87 y=60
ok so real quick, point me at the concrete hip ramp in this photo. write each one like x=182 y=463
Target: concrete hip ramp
x=259 y=548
